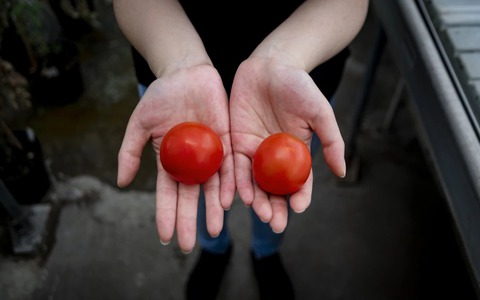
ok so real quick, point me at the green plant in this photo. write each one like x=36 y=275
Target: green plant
x=80 y=9
x=14 y=93
x=14 y=103
x=36 y=45
x=35 y=24
x=4 y=13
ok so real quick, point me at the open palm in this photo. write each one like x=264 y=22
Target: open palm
x=267 y=98
x=194 y=94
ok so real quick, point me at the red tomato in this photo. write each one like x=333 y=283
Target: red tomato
x=281 y=164
x=191 y=152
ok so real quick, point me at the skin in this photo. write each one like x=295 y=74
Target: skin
x=272 y=92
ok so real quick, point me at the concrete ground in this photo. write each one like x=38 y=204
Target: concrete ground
x=387 y=235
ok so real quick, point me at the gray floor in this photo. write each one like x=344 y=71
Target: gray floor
x=387 y=235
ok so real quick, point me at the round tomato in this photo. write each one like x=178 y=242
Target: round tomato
x=191 y=152
x=281 y=164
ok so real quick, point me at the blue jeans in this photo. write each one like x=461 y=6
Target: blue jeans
x=265 y=242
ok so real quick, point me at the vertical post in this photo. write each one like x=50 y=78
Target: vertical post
x=373 y=61
x=352 y=160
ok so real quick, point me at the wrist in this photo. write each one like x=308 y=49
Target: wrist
x=184 y=62
x=276 y=54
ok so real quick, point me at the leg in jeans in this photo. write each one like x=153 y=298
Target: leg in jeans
x=266 y=242
x=218 y=245
x=206 y=277
x=272 y=278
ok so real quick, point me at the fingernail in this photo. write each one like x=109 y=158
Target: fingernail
x=344 y=170
x=187 y=252
x=164 y=243
x=277 y=231
x=227 y=209
x=299 y=211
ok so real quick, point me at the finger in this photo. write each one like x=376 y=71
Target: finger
x=187 y=215
x=243 y=178
x=166 y=212
x=214 y=210
x=130 y=152
x=261 y=205
x=301 y=200
x=227 y=182
x=279 y=213
x=326 y=127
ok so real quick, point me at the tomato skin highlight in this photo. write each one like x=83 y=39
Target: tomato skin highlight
x=191 y=152
x=281 y=164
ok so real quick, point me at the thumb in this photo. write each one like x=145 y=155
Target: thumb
x=130 y=153
x=326 y=127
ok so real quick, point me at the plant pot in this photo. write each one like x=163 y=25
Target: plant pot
x=12 y=49
x=23 y=170
x=60 y=80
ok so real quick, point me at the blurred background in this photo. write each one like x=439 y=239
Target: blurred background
x=81 y=83
x=67 y=88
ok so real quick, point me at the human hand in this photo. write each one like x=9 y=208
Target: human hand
x=192 y=94
x=269 y=97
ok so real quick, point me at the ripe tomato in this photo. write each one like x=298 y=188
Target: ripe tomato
x=191 y=152
x=281 y=164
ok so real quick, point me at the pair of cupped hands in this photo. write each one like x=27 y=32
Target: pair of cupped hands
x=266 y=98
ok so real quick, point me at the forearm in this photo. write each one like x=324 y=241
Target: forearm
x=161 y=31
x=315 y=32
